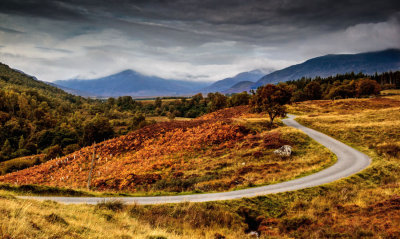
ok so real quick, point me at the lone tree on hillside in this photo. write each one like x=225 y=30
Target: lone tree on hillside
x=272 y=99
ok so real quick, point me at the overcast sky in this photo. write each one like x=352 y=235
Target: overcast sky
x=198 y=40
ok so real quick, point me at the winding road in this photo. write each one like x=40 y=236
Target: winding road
x=350 y=161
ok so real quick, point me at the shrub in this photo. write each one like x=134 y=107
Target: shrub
x=52 y=152
x=292 y=224
x=71 y=148
x=273 y=140
x=390 y=149
x=54 y=218
x=113 y=205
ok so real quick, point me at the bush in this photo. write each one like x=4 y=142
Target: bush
x=292 y=224
x=52 y=152
x=390 y=149
x=113 y=205
x=273 y=140
x=54 y=218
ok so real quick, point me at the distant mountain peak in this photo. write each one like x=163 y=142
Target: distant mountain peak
x=227 y=83
x=130 y=82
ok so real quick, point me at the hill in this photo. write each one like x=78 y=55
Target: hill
x=36 y=117
x=72 y=91
x=225 y=84
x=330 y=65
x=223 y=150
x=133 y=84
x=239 y=87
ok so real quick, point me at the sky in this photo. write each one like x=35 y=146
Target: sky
x=195 y=40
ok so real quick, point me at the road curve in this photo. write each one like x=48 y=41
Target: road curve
x=349 y=161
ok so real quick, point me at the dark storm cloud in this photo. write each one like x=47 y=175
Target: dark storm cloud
x=334 y=14
x=188 y=39
x=8 y=30
x=275 y=21
x=60 y=10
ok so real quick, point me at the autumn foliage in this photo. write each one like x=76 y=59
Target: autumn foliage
x=124 y=162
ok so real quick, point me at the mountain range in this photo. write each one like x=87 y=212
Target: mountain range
x=225 y=84
x=132 y=83
x=329 y=65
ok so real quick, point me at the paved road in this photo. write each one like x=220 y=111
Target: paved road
x=350 y=161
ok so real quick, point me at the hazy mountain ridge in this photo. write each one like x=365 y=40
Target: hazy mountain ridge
x=132 y=83
x=329 y=65
x=227 y=83
x=239 y=87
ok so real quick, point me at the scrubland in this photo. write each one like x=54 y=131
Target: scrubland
x=225 y=150
x=366 y=205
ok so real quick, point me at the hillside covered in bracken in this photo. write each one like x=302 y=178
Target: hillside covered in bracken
x=219 y=151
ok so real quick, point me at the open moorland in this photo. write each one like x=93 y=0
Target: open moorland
x=225 y=150
x=366 y=205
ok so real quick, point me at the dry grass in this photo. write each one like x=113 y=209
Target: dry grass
x=365 y=123
x=366 y=205
x=233 y=151
x=20 y=163
x=31 y=219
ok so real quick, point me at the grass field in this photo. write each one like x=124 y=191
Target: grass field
x=366 y=205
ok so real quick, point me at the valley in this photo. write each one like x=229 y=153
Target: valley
x=363 y=204
x=200 y=119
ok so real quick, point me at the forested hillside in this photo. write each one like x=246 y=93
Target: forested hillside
x=36 y=117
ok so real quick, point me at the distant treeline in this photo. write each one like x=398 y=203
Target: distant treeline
x=343 y=86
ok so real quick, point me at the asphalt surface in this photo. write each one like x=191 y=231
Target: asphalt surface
x=349 y=162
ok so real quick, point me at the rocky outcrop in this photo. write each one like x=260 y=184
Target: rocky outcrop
x=284 y=151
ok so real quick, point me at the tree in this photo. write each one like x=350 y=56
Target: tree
x=21 y=142
x=367 y=87
x=271 y=99
x=138 y=121
x=312 y=91
x=97 y=130
x=171 y=115
x=52 y=152
x=157 y=102
x=239 y=99
x=6 y=150
x=217 y=101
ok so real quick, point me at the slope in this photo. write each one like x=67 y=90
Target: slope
x=225 y=150
x=330 y=65
x=227 y=83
